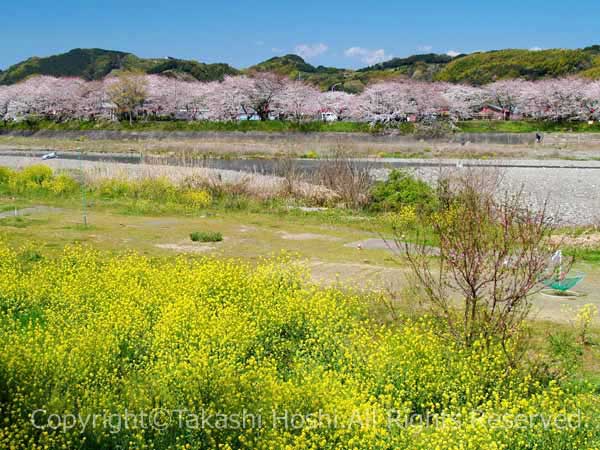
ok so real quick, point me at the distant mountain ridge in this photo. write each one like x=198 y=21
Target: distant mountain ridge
x=485 y=67
x=95 y=64
x=475 y=68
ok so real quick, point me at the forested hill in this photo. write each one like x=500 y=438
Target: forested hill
x=476 y=68
x=94 y=64
x=485 y=67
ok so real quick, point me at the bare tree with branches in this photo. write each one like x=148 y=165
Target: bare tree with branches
x=493 y=252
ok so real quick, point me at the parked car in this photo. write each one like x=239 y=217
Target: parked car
x=51 y=155
x=329 y=116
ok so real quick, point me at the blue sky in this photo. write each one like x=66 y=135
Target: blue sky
x=340 y=33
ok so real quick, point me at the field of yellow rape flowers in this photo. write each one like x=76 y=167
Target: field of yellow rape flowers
x=106 y=352
x=105 y=348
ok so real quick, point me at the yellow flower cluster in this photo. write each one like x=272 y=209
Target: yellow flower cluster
x=198 y=199
x=36 y=179
x=148 y=193
x=271 y=361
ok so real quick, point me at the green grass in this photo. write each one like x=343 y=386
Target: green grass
x=523 y=126
x=8 y=207
x=251 y=234
x=278 y=126
x=272 y=126
x=18 y=222
x=584 y=254
x=206 y=236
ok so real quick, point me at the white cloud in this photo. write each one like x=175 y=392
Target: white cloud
x=308 y=51
x=259 y=43
x=277 y=50
x=536 y=49
x=452 y=53
x=366 y=55
x=425 y=48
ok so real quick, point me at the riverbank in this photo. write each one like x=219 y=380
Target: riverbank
x=309 y=145
x=566 y=184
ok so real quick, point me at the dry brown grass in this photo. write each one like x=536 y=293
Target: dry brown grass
x=226 y=181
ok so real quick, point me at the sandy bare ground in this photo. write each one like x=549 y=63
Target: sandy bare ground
x=187 y=248
x=366 y=276
x=306 y=236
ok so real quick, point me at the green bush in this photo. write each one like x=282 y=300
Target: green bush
x=402 y=189
x=206 y=236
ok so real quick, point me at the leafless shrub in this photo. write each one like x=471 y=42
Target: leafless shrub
x=287 y=169
x=348 y=178
x=493 y=252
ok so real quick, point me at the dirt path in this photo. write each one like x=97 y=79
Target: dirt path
x=29 y=211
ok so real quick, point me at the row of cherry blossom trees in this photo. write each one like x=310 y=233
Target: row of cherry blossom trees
x=267 y=96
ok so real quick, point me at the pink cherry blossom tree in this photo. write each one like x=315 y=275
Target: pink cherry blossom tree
x=34 y=97
x=381 y=103
x=510 y=95
x=392 y=101
x=592 y=99
x=557 y=100
x=267 y=95
x=227 y=99
x=338 y=102
x=6 y=97
x=263 y=92
x=463 y=101
x=297 y=101
x=93 y=101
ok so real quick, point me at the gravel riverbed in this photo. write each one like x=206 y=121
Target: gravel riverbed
x=573 y=194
